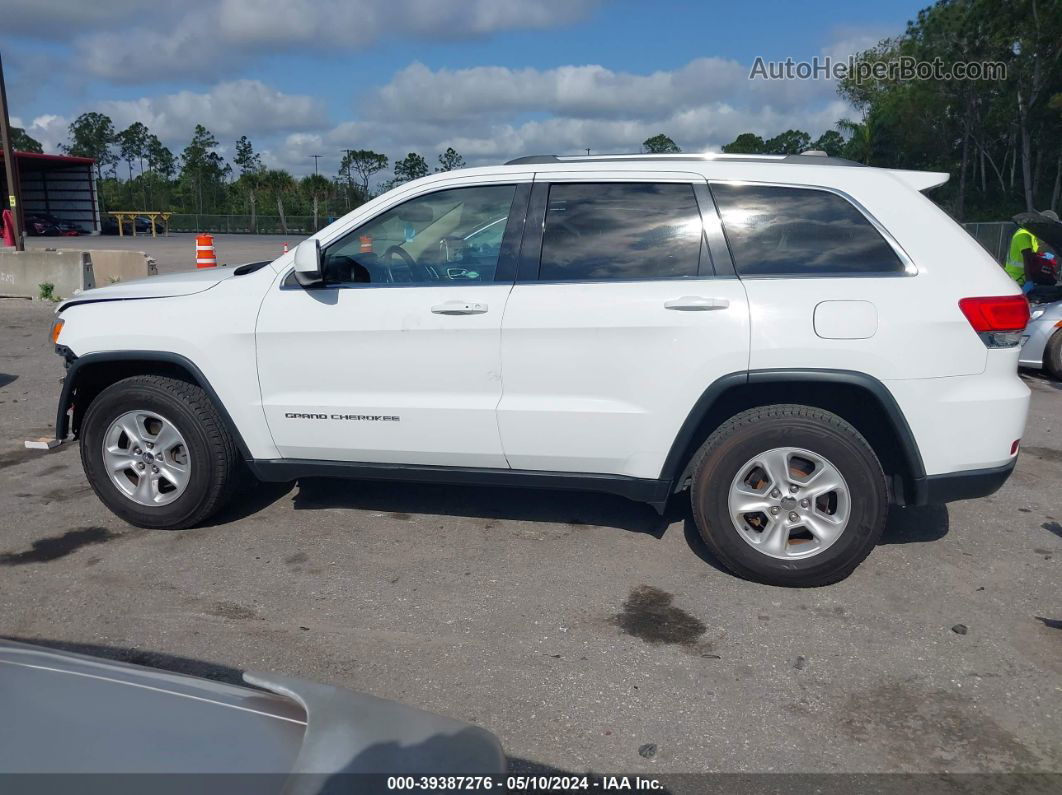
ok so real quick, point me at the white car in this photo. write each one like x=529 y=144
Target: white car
x=794 y=341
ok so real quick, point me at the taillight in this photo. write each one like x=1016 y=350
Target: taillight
x=998 y=320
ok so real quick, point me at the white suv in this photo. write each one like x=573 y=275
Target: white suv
x=795 y=341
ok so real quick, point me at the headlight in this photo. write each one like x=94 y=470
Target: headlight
x=1036 y=313
x=57 y=327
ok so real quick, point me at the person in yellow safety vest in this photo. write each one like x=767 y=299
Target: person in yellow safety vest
x=1022 y=241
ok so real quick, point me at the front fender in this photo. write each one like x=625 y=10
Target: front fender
x=80 y=368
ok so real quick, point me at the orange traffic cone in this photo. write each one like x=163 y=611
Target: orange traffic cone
x=285 y=251
x=204 y=252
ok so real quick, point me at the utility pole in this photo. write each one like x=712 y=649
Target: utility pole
x=588 y=151
x=315 y=159
x=14 y=201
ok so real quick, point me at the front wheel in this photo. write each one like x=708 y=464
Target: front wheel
x=157 y=453
x=789 y=495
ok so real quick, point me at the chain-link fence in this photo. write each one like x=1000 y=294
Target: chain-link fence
x=994 y=236
x=241 y=224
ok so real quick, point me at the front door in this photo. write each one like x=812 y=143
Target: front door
x=396 y=358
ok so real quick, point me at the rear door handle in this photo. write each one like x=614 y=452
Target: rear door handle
x=459 y=308
x=696 y=303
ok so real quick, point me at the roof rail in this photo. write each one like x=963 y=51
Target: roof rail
x=811 y=157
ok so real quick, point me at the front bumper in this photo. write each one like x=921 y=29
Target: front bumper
x=66 y=394
x=966 y=485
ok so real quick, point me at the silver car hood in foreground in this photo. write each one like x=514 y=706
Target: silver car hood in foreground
x=68 y=713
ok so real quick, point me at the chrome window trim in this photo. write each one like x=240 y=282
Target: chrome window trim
x=909 y=268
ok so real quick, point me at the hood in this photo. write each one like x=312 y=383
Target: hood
x=1041 y=226
x=185 y=283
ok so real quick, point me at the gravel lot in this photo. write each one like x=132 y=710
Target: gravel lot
x=578 y=628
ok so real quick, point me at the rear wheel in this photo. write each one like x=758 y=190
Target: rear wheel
x=789 y=495
x=1053 y=355
x=157 y=452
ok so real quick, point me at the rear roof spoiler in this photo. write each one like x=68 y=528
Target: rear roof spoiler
x=920 y=180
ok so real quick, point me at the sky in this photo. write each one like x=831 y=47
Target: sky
x=494 y=79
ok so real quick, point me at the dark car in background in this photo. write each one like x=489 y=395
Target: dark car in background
x=110 y=225
x=47 y=225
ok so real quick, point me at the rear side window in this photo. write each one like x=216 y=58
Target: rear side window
x=620 y=231
x=799 y=231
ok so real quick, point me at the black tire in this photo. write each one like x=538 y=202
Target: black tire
x=211 y=450
x=755 y=431
x=1053 y=355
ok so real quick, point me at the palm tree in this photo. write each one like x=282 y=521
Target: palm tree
x=279 y=182
x=864 y=137
x=316 y=187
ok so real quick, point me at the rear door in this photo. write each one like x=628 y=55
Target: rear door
x=624 y=311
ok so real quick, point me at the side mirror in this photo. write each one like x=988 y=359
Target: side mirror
x=308 y=263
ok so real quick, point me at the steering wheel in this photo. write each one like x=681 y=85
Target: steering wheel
x=417 y=272
x=403 y=254
x=387 y=258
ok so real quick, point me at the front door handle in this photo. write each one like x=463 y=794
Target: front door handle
x=696 y=303
x=459 y=308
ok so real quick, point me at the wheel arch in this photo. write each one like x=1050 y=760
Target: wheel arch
x=858 y=398
x=88 y=375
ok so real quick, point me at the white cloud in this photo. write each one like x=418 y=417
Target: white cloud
x=215 y=34
x=583 y=92
x=702 y=105
x=50 y=130
x=55 y=19
x=488 y=113
x=230 y=109
x=704 y=128
x=287 y=22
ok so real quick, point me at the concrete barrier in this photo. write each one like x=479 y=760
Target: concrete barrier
x=22 y=272
x=110 y=266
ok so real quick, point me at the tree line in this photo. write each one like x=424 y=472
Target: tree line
x=136 y=171
x=1000 y=139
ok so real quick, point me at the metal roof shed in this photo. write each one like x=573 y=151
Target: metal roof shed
x=60 y=185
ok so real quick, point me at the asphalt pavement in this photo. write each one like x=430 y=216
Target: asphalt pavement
x=585 y=631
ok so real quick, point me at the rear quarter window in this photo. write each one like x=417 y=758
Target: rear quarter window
x=776 y=231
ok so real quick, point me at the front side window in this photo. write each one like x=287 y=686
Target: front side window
x=776 y=231
x=620 y=231
x=450 y=236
